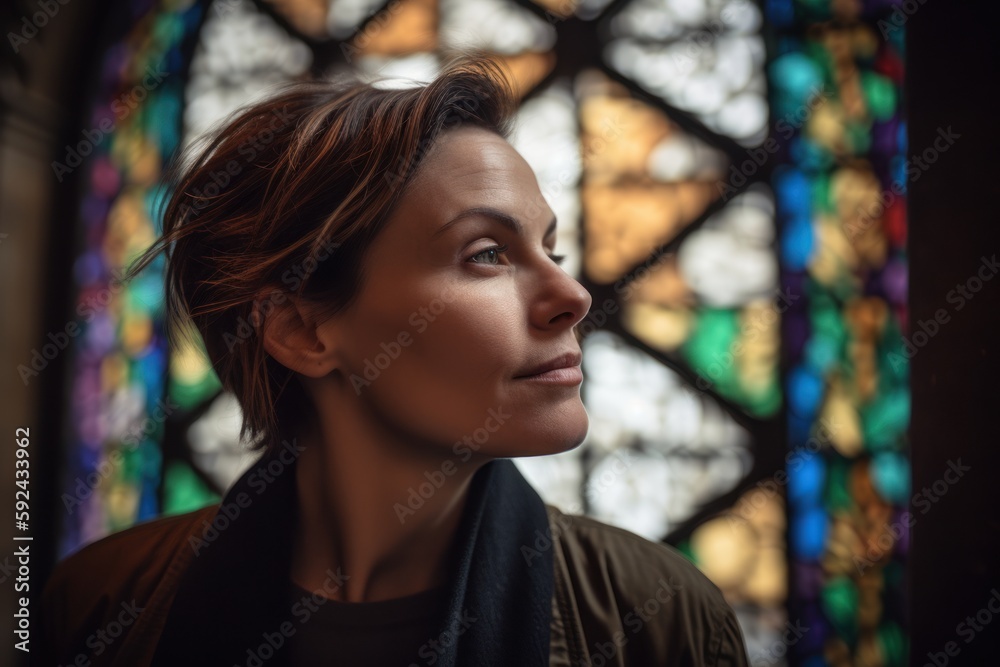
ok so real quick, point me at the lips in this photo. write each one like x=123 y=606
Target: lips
x=565 y=360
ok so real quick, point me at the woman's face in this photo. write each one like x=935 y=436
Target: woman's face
x=445 y=324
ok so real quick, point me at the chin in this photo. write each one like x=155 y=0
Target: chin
x=552 y=435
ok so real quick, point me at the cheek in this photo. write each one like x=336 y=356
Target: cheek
x=422 y=334
x=464 y=340
x=451 y=369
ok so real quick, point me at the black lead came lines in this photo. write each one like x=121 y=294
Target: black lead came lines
x=22 y=436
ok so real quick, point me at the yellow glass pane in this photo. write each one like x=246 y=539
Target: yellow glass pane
x=625 y=223
x=528 y=70
x=188 y=364
x=726 y=551
x=657 y=305
x=630 y=208
x=758 y=345
x=402 y=28
x=759 y=512
x=306 y=16
x=620 y=135
x=560 y=8
x=839 y=408
x=662 y=328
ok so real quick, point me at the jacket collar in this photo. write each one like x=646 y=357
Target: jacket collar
x=235 y=590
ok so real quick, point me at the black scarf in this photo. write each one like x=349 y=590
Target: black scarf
x=235 y=590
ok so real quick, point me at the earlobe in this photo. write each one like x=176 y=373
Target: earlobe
x=296 y=339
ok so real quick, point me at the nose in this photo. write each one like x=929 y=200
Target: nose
x=560 y=301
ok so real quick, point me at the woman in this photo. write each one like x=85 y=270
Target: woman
x=372 y=273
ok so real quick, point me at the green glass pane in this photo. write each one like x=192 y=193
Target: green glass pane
x=822 y=352
x=858 y=138
x=169 y=28
x=840 y=603
x=814 y=158
x=893 y=644
x=798 y=77
x=707 y=349
x=187 y=393
x=184 y=491
x=685 y=548
x=822 y=60
x=885 y=420
x=766 y=402
x=893 y=357
x=820 y=190
x=826 y=319
x=880 y=92
x=891 y=477
x=838 y=495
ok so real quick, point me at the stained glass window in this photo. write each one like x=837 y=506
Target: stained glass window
x=722 y=171
x=836 y=75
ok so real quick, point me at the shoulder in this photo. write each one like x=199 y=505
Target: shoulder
x=666 y=606
x=130 y=557
x=636 y=562
x=112 y=578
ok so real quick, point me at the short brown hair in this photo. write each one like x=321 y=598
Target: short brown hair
x=287 y=197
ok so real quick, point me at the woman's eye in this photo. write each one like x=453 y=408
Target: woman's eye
x=497 y=250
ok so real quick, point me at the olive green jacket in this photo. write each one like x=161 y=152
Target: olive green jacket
x=615 y=598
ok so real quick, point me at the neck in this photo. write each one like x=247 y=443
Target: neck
x=374 y=509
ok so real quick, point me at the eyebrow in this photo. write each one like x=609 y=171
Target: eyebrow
x=504 y=219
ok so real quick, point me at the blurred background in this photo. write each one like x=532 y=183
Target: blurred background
x=731 y=182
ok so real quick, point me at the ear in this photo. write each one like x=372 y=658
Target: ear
x=295 y=336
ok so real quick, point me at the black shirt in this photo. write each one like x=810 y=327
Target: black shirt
x=401 y=632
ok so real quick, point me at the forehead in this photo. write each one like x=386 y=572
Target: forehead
x=468 y=167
